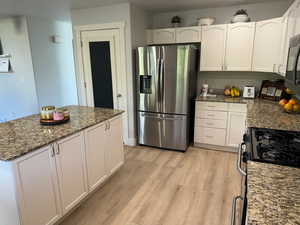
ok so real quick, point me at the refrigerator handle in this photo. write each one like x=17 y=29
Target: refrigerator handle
x=158 y=82
x=162 y=76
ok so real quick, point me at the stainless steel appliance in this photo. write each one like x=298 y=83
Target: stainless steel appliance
x=268 y=146
x=293 y=64
x=166 y=87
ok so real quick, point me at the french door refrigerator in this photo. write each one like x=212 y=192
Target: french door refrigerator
x=166 y=88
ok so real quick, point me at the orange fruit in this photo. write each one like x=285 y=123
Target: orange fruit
x=296 y=108
x=288 y=107
x=292 y=101
x=282 y=102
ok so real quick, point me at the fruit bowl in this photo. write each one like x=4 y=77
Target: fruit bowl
x=292 y=106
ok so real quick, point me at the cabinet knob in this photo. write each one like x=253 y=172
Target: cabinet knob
x=119 y=95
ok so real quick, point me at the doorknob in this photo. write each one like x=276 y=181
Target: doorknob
x=119 y=95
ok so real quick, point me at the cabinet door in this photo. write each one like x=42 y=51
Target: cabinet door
x=38 y=189
x=239 y=46
x=188 y=35
x=267 y=45
x=296 y=16
x=213 y=48
x=71 y=167
x=236 y=128
x=164 y=36
x=96 y=146
x=115 y=150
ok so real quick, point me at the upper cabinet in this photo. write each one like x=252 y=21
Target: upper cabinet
x=239 y=46
x=213 y=47
x=174 y=35
x=188 y=35
x=267 y=45
x=164 y=36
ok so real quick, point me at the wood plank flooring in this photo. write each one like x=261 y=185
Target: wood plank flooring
x=157 y=187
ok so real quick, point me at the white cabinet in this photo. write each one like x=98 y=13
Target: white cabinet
x=213 y=47
x=267 y=45
x=42 y=186
x=188 y=35
x=239 y=46
x=104 y=151
x=115 y=151
x=236 y=128
x=219 y=126
x=96 y=147
x=164 y=36
x=70 y=160
x=38 y=188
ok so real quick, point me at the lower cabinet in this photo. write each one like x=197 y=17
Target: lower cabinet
x=37 y=188
x=95 y=139
x=71 y=169
x=219 y=125
x=103 y=142
x=42 y=186
x=115 y=151
x=236 y=128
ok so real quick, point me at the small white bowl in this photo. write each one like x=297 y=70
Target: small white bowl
x=240 y=19
x=206 y=21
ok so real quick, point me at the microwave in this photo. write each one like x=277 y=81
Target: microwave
x=293 y=63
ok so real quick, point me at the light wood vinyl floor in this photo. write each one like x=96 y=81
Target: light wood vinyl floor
x=158 y=187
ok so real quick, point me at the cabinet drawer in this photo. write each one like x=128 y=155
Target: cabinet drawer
x=215 y=106
x=211 y=136
x=211 y=123
x=211 y=115
x=235 y=107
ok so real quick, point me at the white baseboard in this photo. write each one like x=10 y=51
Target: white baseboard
x=130 y=142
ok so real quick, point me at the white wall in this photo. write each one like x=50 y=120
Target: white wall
x=259 y=11
x=219 y=80
x=17 y=89
x=53 y=63
x=140 y=21
x=110 y=14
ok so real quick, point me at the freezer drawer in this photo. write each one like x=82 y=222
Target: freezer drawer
x=163 y=130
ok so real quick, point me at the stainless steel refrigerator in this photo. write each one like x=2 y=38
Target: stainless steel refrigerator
x=166 y=88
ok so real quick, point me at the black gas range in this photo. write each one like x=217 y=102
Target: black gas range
x=272 y=146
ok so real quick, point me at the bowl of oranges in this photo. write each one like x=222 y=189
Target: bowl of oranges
x=290 y=106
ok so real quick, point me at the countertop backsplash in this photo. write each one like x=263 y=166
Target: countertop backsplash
x=219 y=80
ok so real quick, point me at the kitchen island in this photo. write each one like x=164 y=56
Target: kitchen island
x=46 y=171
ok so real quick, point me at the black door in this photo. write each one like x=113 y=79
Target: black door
x=101 y=74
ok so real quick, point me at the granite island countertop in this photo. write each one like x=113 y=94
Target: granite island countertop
x=262 y=113
x=21 y=136
x=273 y=194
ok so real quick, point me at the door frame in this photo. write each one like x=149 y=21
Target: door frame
x=122 y=84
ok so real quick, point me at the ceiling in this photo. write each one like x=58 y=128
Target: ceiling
x=166 y=5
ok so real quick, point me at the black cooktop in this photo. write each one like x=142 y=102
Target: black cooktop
x=275 y=146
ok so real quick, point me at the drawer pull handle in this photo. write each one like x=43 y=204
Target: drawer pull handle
x=209 y=136
x=210 y=115
x=209 y=124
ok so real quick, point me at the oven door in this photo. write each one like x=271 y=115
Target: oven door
x=239 y=203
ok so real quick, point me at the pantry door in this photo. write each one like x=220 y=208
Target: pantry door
x=101 y=66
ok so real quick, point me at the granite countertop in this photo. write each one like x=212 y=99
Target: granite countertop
x=18 y=137
x=223 y=98
x=273 y=194
x=267 y=114
x=262 y=113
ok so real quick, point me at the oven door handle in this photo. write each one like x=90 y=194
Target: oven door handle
x=238 y=164
x=233 y=209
